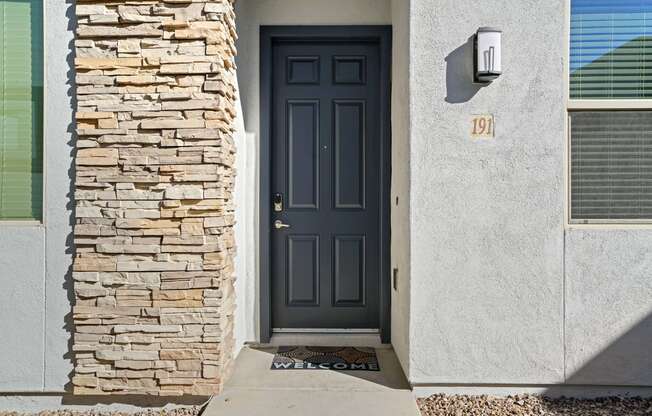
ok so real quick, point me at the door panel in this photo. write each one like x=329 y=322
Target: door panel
x=325 y=156
x=303 y=270
x=349 y=268
x=303 y=152
x=349 y=153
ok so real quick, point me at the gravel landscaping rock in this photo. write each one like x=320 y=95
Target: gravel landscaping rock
x=181 y=411
x=526 y=405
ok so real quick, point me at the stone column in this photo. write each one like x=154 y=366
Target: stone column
x=153 y=270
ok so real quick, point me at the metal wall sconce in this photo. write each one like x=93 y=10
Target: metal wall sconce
x=487 y=63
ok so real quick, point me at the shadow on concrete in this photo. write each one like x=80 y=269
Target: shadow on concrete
x=255 y=389
x=252 y=370
x=459 y=74
x=623 y=368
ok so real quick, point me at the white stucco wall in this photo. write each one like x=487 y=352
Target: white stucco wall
x=609 y=307
x=35 y=258
x=245 y=328
x=487 y=238
x=502 y=292
x=400 y=194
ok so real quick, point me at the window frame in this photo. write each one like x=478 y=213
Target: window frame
x=577 y=105
x=31 y=222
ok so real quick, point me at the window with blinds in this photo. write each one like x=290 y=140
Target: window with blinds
x=21 y=102
x=611 y=165
x=611 y=49
x=610 y=111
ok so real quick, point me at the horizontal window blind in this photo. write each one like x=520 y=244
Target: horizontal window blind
x=611 y=49
x=21 y=101
x=611 y=165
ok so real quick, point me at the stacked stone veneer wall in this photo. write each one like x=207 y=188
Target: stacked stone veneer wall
x=153 y=188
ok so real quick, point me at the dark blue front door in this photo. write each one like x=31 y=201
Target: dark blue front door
x=326 y=184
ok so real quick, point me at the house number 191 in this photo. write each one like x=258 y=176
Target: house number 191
x=483 y=127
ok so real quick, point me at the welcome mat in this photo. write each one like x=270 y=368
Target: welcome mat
x=326 y=358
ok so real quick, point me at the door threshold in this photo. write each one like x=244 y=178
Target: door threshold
x=324 y=339
x=325 y=331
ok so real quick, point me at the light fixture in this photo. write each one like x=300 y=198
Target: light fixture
x=487 y=65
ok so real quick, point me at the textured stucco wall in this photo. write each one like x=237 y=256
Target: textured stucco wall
x=487 y=238
x=245 y=223
x=609 y=307
x=400 y=203
x=501 y=291
x=35 y=260
x=22 y=300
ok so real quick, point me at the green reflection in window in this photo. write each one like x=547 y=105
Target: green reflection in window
x=21 y=103
x=611 y=49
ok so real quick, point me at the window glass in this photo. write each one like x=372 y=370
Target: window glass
x=21 y=101
x=611 y=49
x=611 y=165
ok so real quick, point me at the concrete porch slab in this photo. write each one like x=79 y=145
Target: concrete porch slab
x=254 y=389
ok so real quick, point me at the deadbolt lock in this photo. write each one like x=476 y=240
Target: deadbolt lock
x=278 y=202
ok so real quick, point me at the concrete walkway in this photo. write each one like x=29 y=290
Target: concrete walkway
x=255 y=390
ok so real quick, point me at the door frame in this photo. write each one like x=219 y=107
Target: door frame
x=268 y=36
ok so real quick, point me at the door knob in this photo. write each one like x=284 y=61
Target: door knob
x=278 y=224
